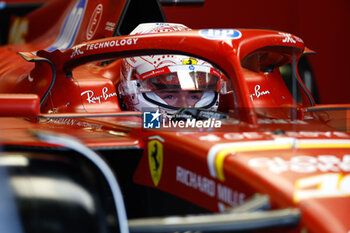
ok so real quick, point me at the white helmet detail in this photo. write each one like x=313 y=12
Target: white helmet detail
x=169 y=82
x=149 y=28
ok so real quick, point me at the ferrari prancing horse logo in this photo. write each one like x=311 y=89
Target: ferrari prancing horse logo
x=155 y=160
x=189 y=61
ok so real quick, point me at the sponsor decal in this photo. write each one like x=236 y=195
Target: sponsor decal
x=70 y=27
x=110 y=26
x=246 y=135
x=92 y=99
x=229 y=196
x=217 y=34
x=74 y=122
x=110 y=44
x=195 y=181
x=164 y=27
x=153 y=73
x=309 y=134
x=330 y=185
x=287 y=38
x=94 y=21
x=303 y=164
x=209 y=187
x=163 y=24
x=155 y=158
x=282 y=121
x=262 y=135
x=76 y=50
x=217 y=154
x=257 y=93
x=210 y=138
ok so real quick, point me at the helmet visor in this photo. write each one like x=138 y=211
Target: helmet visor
x=182 y=99
x=181 y=78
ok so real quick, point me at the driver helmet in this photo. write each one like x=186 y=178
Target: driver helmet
x=169 y=82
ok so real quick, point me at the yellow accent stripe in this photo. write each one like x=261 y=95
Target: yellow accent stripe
x=307 y=146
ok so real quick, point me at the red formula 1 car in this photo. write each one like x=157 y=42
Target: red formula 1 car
x=266 y=158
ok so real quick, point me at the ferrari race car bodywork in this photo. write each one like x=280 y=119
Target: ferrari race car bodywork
x=294 y=151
